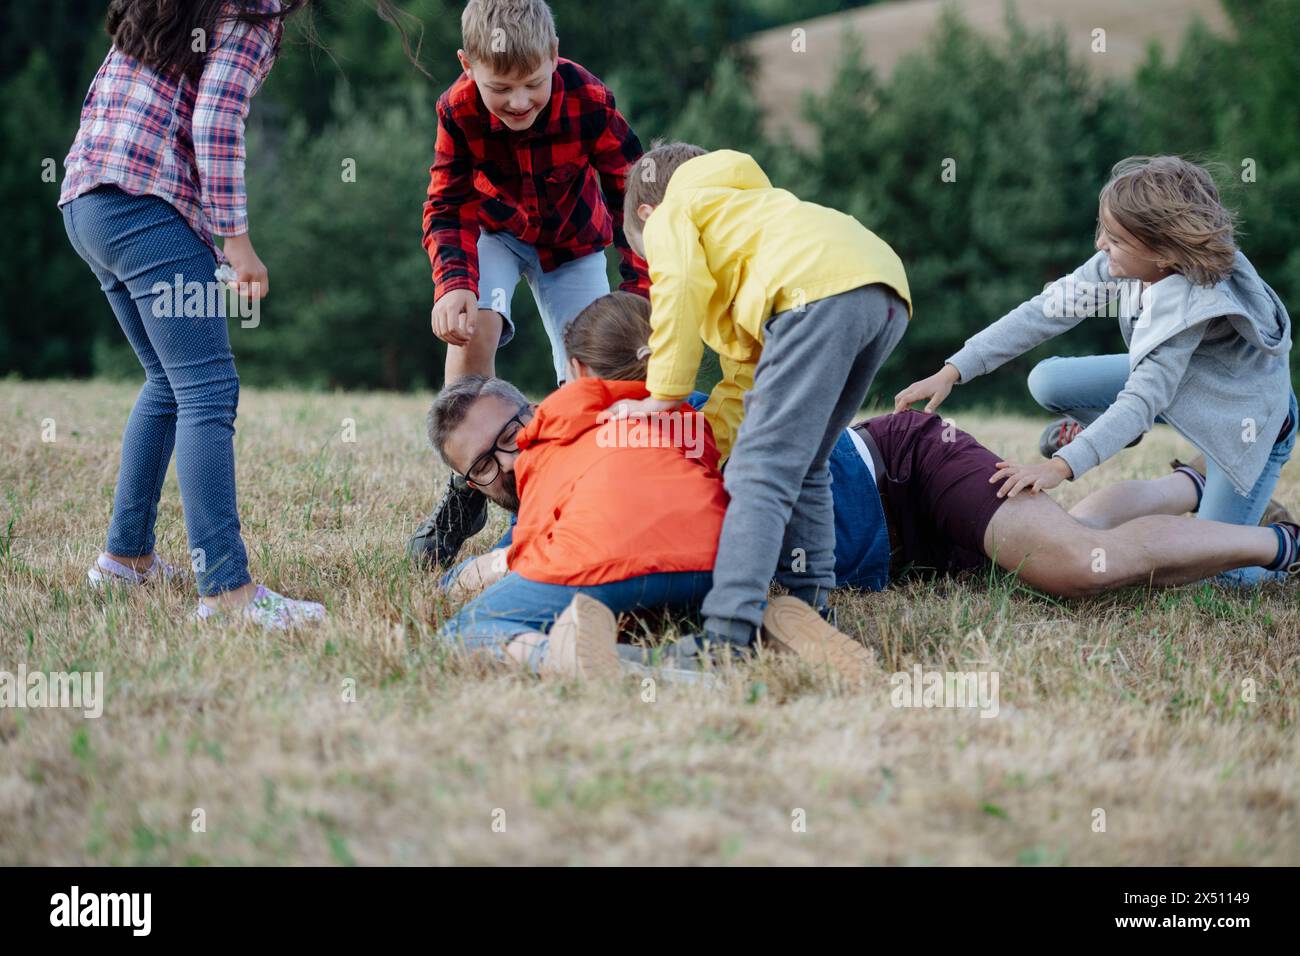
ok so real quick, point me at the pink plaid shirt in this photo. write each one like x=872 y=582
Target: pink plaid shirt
x=165 y=136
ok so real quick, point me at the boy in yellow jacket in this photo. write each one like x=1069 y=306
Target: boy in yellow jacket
x=803 y=304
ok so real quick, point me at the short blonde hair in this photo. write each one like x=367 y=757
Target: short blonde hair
x=1172 y=207
x=647 y=178
x=511 y=37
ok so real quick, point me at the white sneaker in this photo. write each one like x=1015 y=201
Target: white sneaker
x=106 y=572
x=271 y=610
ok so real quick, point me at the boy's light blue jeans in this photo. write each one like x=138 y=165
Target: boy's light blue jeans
x=561 y=293
x=132 y=244
x=516 y=605
x=1084 y=387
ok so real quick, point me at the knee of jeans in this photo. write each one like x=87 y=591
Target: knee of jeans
x=158 y=391
x=1044 y=384
x=219 y=397
x=466 y=636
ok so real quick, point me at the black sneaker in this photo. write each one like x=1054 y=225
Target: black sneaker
x=461 y=514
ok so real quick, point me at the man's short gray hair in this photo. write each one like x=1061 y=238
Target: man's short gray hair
x=453 y=403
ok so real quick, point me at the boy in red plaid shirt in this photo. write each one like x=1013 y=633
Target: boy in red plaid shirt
x=527 y=180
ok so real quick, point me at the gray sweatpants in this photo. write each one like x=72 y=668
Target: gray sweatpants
x=813 y=376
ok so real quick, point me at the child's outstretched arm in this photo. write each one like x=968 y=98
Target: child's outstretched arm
x=1057 y=309
x=1149 y=391
x=615 y=150
x=451 y=228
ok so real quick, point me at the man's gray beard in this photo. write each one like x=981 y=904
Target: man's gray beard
x=506 y=494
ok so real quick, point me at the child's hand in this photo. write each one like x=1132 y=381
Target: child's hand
x=251 y=280
x=454 y=316
x=936 y=388
x=643 y=408
x=1035 y=478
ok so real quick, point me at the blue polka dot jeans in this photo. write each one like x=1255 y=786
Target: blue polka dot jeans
x=140 y=248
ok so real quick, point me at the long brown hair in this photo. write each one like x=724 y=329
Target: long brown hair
x=1172 y=207
x=611 y=337
x=160 y=33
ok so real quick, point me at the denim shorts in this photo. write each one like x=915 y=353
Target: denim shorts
x=560 y=294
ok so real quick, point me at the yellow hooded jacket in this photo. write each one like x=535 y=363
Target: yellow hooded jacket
x=726 y=251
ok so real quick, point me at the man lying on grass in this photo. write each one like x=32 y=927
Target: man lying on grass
x=610 y=520
x=912 y=494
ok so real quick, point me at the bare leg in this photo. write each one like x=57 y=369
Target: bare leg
x=521 y=648
x=478 y=357
x=1033 y=535
x=1123 y=501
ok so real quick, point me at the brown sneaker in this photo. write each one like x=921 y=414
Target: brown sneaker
x=1273 y=514
x=583 y=642
x=793 y=627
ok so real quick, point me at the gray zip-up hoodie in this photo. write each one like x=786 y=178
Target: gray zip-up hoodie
x=1213 y=361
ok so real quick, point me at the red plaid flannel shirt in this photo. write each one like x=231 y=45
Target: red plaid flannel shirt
x=165 y=136
x=542 y=185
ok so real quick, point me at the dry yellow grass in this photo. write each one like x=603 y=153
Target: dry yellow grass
x=1130 y=704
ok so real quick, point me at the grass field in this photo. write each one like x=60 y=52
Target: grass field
x=1132 y=705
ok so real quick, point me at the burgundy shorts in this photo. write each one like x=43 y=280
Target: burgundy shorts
x=936 y=493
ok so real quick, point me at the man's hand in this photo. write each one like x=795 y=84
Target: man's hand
x=642 y=408
x=1033 y=478
x=454 y=316
x=935 y=388
x=251 y=280
x=482 y=572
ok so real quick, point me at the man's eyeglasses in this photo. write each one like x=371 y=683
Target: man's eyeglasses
x=486 y=467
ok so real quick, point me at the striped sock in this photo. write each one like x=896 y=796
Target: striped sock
x=1197 y=479
x=1288 y=546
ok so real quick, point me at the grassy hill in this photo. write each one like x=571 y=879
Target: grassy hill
x=1131 y=704
x=890 y=31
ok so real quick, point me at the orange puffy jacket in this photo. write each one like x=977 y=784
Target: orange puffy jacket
x=603 y=502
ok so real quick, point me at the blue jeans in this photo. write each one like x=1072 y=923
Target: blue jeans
x=561 y=293
x=137 y=246
x=1085 y=387
x=516 y=605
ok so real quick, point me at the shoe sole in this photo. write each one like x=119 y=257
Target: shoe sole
x=791 y=626
x=585 y=638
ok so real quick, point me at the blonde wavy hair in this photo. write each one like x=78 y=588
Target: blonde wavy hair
x=1172 y=207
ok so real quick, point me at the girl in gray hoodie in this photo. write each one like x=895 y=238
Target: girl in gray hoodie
x=1208 y=353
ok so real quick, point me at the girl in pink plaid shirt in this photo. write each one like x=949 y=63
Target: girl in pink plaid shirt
x=156 y=171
